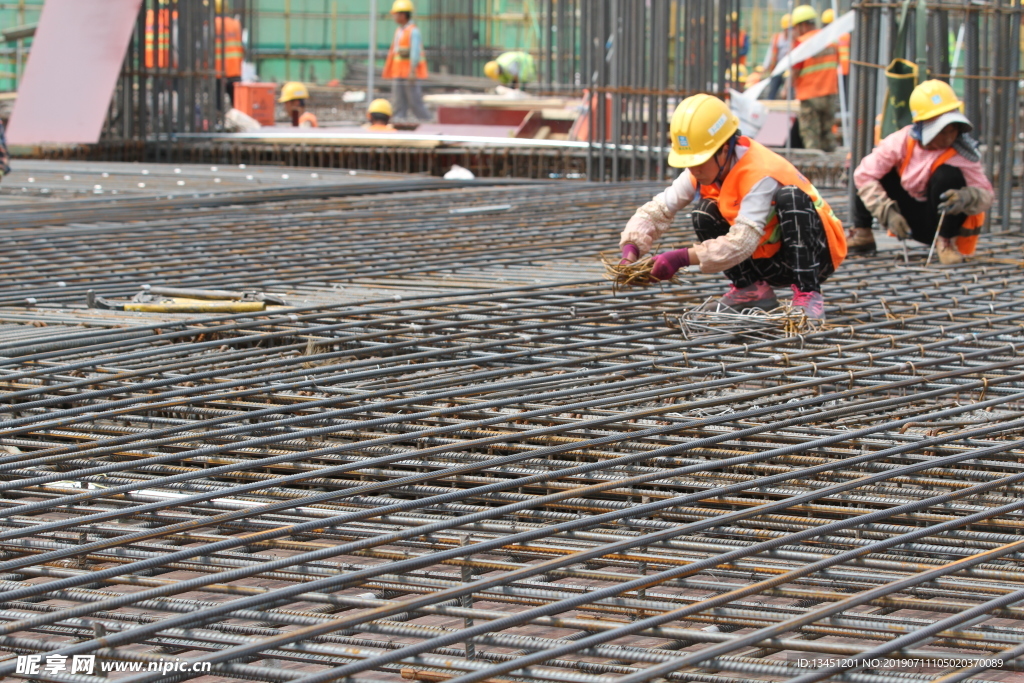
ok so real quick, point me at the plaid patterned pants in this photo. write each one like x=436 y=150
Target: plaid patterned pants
x=803 y=258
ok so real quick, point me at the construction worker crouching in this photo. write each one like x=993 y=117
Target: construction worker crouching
x=816 y=82
x=758 y=219
x=512 y=69
x=926 y=172
x=293 y=97
x=379 y=115
x=405 y=64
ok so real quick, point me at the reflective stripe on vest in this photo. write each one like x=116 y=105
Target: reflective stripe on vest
x=816 y=76
x=229 y=51
x=755 y=165
x=158 y=36
x=844 y=54
x=969 y=231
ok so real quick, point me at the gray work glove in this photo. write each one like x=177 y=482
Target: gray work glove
x=889 y=217
x=964 y=200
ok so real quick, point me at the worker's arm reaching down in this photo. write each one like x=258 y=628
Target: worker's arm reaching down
x=651 y=220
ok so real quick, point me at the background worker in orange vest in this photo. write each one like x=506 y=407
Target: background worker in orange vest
x=379 y=116
x=742 y=44
x=229 y=51
x=816 y=82
x=405 y=65
x=827 y=17
x=293 y=97
x=779 y=48
x=157 y=39
x=758 y=219
x=929 y=168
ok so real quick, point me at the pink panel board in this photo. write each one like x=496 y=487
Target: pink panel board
x=71 y=71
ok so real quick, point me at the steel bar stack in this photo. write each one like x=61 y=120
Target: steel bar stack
x=458 y=454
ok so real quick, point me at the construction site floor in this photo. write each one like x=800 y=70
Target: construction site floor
x=458 y=453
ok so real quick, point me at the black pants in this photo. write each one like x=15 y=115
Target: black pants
x=921 y=216
x=803 y=258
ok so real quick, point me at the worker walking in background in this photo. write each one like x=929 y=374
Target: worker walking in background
x=843 y=44
x=777 y=51
x=405 y=64
x=229 y=51
x=379 y=117
x=926 y=172
x=742 y=48
x=758 y=219
x=816 y=82
x=512 y=69
x=293 y=97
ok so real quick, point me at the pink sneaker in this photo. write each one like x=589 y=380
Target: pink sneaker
x=757 y=295
x=813 y=303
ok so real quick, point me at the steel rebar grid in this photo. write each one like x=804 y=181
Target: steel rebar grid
x=404 y=474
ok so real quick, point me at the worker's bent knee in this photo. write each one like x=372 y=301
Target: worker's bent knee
x=792 y=198
x=707 y=219
x=947 y=177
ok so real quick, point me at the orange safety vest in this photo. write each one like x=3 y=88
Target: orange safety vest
x=967 y=240
x=379 y=128
x=397 y=63
x=844 y=53
x=308 y=118
x=157 y=49
x=755 y=165
x=229 y=47
x=740 y=59
x=816 y=76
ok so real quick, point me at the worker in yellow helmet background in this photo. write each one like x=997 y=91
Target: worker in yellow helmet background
x=757 y=218
x=405 y=65
x=512 y=69
x=781 y=44
x=379 y=117
x=293 y=97
x=229 y=50
x=925 y=181
x=815 y=83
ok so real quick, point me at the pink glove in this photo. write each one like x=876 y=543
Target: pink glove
x=666 y=264
x=630 y=252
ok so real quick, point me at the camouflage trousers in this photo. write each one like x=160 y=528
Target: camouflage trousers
x=817 y=116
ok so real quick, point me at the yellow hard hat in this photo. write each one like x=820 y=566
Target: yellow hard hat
x=933 y=98
x=700 y=126
x=735 y=16
x=402 y=6
x=804 y=13
x=827 y=16
x=492 y=70
x=784 y=22
x=219 y=6
x=737 y=73
x=293 y=90
x=380 y=106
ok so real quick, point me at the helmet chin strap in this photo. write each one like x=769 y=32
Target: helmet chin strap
x=728 y=158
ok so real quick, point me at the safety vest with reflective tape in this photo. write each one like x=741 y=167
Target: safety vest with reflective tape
x=816 y=76
x=308 y=120
x=844 y=54
x=397 y=64
x=755 y=165
x=967 y=240
x=229 y=47
x=157 y=44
